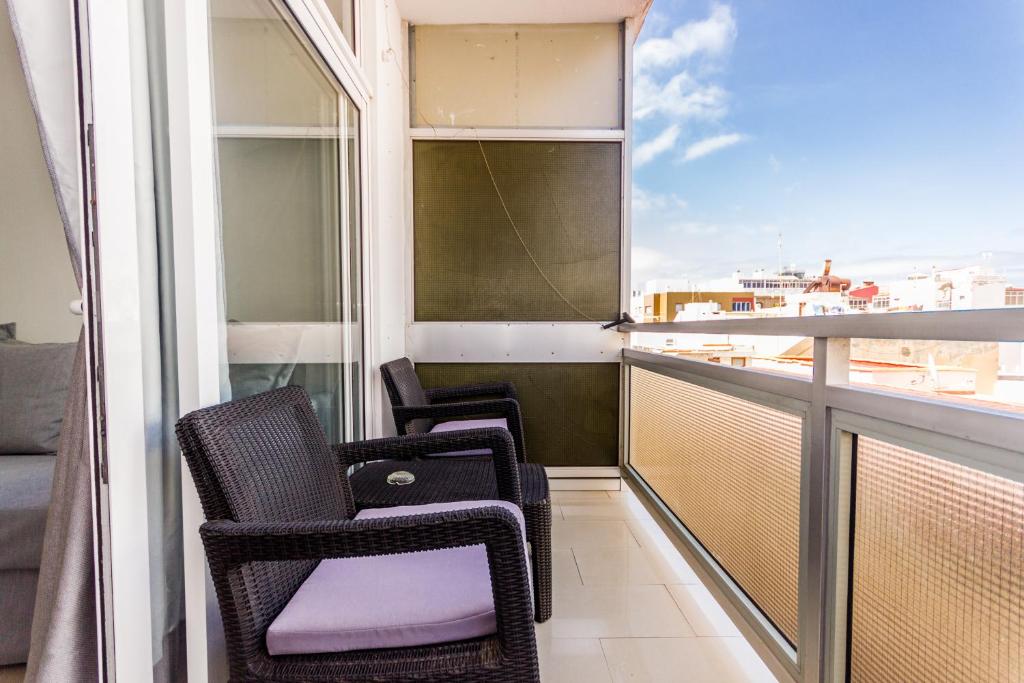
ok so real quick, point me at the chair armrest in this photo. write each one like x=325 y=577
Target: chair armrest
x=230 y=545
x=499 y=441
x=502 y=389
x=506 y=407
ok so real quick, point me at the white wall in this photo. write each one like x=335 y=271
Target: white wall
x=384 y=42
x=36 y=280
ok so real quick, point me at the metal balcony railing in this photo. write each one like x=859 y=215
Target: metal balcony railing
x=862 y=535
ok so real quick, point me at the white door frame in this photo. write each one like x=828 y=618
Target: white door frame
x=200 y=329
x=115 y=94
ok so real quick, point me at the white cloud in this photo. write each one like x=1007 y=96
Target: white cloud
x=653 y=201
x=774 y=163
x=713 y=36
x=658 y=145
x=681 y=97
x=650 y=264
x=708 y=146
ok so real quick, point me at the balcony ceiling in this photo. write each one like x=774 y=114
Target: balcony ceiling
x=521 y=11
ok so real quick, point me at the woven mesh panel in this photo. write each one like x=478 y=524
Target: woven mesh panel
x=565 y=200
x=938 y=570
x=570 y=410
x=730 y=471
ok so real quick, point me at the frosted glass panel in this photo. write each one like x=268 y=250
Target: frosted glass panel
x=555 y=76
x=730 y=471
x=938 y=571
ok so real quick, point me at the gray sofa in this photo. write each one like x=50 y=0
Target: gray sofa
x=34 y=381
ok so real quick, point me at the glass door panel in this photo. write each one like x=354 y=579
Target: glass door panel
x=287 y=147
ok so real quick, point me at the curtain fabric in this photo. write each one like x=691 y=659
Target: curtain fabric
x=64 y=645
x=64 y=636
x=43 y=30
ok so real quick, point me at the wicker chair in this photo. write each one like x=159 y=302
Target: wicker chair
x=417 y=410
x=279 y=506
x=454 y=478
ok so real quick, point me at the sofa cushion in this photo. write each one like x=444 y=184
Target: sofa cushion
x=25 y=484
x=386 y=601
x=458 y=425
x=8 y=332
x=34 y=381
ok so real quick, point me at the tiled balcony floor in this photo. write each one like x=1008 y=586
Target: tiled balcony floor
x=627 y=607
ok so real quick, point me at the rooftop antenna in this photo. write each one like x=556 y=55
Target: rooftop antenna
x=779 y=271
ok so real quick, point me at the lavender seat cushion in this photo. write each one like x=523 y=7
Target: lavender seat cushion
x=457 y=425
x=368 y=603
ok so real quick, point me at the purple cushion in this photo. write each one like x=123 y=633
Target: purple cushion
x=366 y=603
x=456 y=425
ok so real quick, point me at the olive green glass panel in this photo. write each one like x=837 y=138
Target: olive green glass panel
x=570 y=410
x=517 y=231
x=937 y=589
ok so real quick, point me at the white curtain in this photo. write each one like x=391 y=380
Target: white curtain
x=44 y=32
x=64 y=635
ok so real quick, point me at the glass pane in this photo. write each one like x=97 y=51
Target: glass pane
x=730 y=471
x=344 y=12
x=288 y=162
x=938 y=570
x=517 y=230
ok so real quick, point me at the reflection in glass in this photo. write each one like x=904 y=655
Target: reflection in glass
x=288 y=160
x=344 y=12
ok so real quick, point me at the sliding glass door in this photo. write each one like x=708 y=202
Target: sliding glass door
x=287 y=149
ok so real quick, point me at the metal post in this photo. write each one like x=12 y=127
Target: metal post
x=831 y=367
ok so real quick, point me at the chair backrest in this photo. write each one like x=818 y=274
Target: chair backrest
x=263 y=458
x=404 y=389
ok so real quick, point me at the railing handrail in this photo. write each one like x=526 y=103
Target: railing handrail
x=984 y=325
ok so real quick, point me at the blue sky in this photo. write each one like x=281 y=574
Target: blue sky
x=888 y=136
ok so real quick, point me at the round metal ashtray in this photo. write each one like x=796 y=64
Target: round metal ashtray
x=401 y=478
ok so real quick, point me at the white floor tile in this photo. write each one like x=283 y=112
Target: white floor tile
x=628 y=607
x=570 y=660
x=560 y=497
x=617 y=612
x=564 y=570
x=689 y=660
x=607 y=510
x=630 y=565
x=702 y=611
x=566 y=534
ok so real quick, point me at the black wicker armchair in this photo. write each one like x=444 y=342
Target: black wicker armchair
x=302 y=578
x=454 y=478
x=418 y=410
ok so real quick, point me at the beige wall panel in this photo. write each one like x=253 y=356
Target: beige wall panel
x=552 y=76
x=36 y=280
